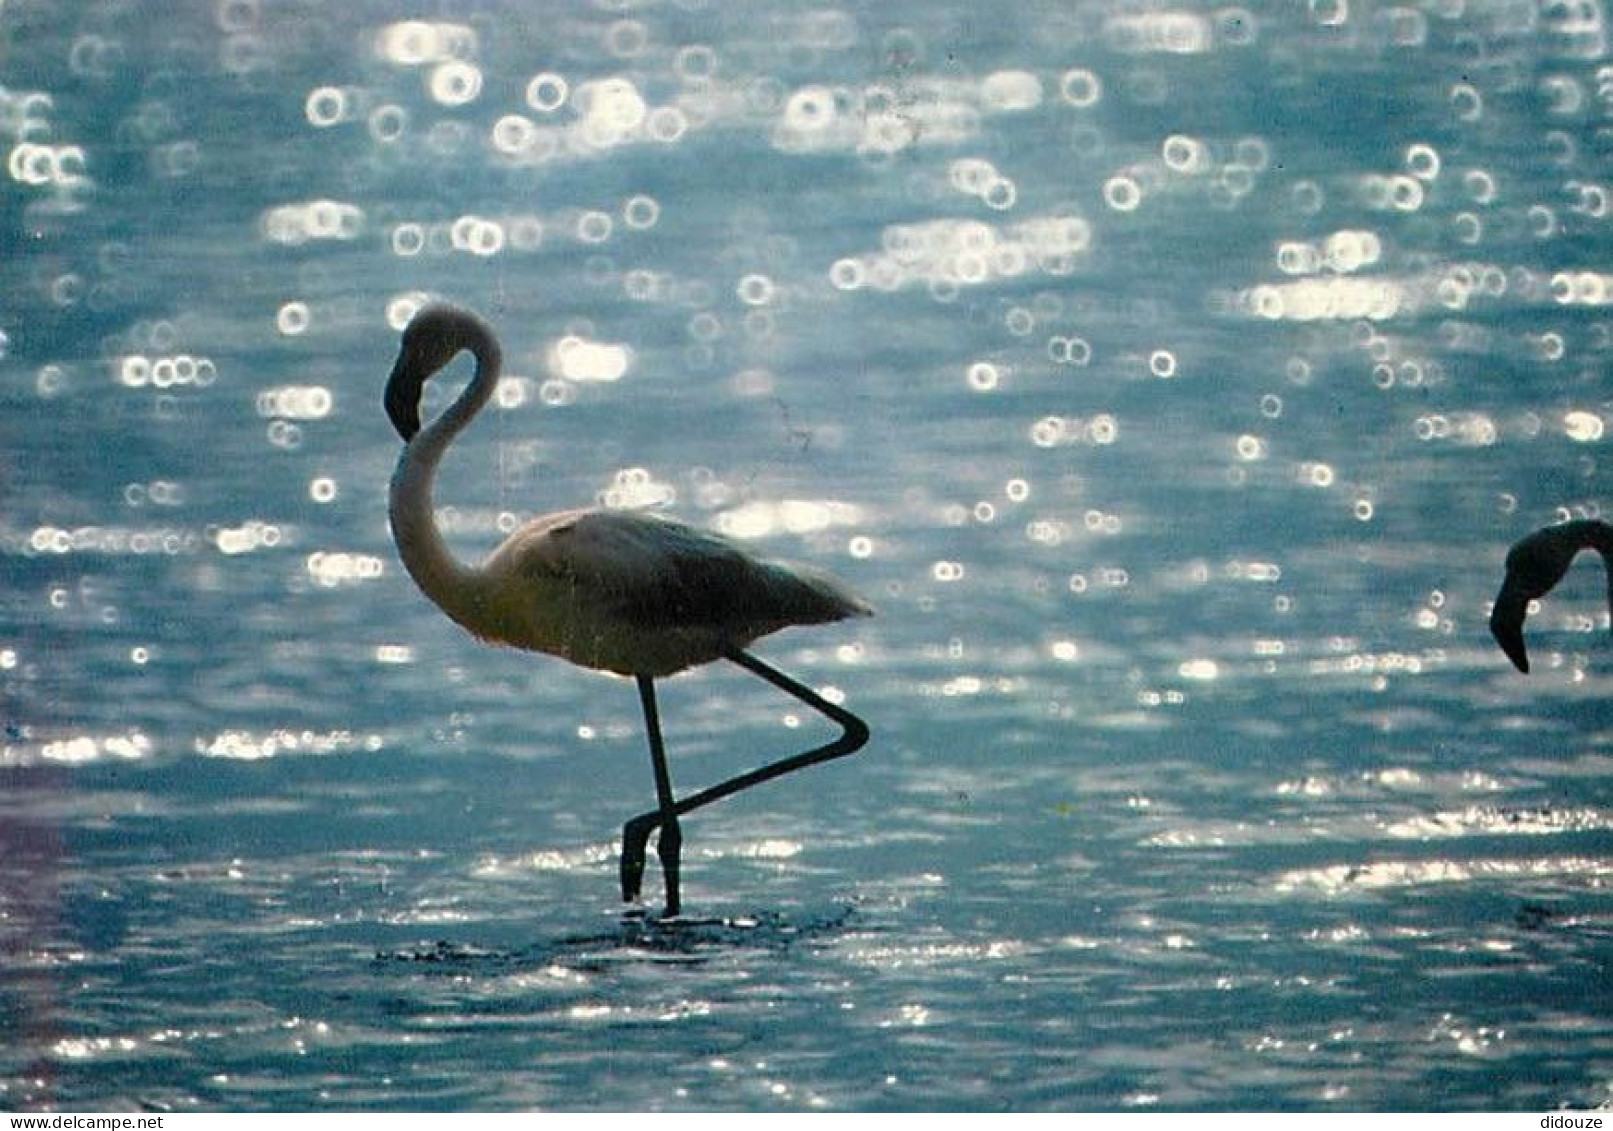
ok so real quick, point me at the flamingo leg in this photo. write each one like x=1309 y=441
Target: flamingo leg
x=636 y=833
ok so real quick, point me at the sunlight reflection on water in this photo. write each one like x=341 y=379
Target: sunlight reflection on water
x=1171 y=381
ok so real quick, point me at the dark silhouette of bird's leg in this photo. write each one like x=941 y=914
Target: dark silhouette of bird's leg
x=635 y=835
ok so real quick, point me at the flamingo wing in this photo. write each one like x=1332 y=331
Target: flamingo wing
x=656 y=573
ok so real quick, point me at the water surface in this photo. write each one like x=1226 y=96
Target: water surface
x=1172 y=380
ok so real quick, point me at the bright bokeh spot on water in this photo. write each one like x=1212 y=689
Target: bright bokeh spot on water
x=610 y=109
x=578 y=359
x=1583 y=427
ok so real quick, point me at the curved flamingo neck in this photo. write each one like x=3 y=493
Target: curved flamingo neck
x=1567 y=540
x=1594 y=534
x=1597 y=535
x=1582 y=534
x=452 y=584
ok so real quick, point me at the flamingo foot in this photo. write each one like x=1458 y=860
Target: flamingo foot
x=669 y=847
x=635 y=846
x=635 y=850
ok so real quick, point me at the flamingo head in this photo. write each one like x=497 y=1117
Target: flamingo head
x=433 y=338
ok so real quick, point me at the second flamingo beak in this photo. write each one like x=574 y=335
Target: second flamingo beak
x=1506 y=621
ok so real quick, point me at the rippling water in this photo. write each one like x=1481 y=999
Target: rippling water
x=1172 y=380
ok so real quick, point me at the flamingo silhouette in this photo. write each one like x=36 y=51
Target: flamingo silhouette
x=613 y=590
x=1534 y=567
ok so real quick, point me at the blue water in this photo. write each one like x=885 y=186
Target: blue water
x=1172 y=380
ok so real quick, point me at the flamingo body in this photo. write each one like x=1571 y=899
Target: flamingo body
x=635 y=594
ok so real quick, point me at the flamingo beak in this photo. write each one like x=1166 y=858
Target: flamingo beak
x=1506 y=621
x=403 y=397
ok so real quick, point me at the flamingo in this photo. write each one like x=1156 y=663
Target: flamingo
x=1534 y=567
x=616 y=591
